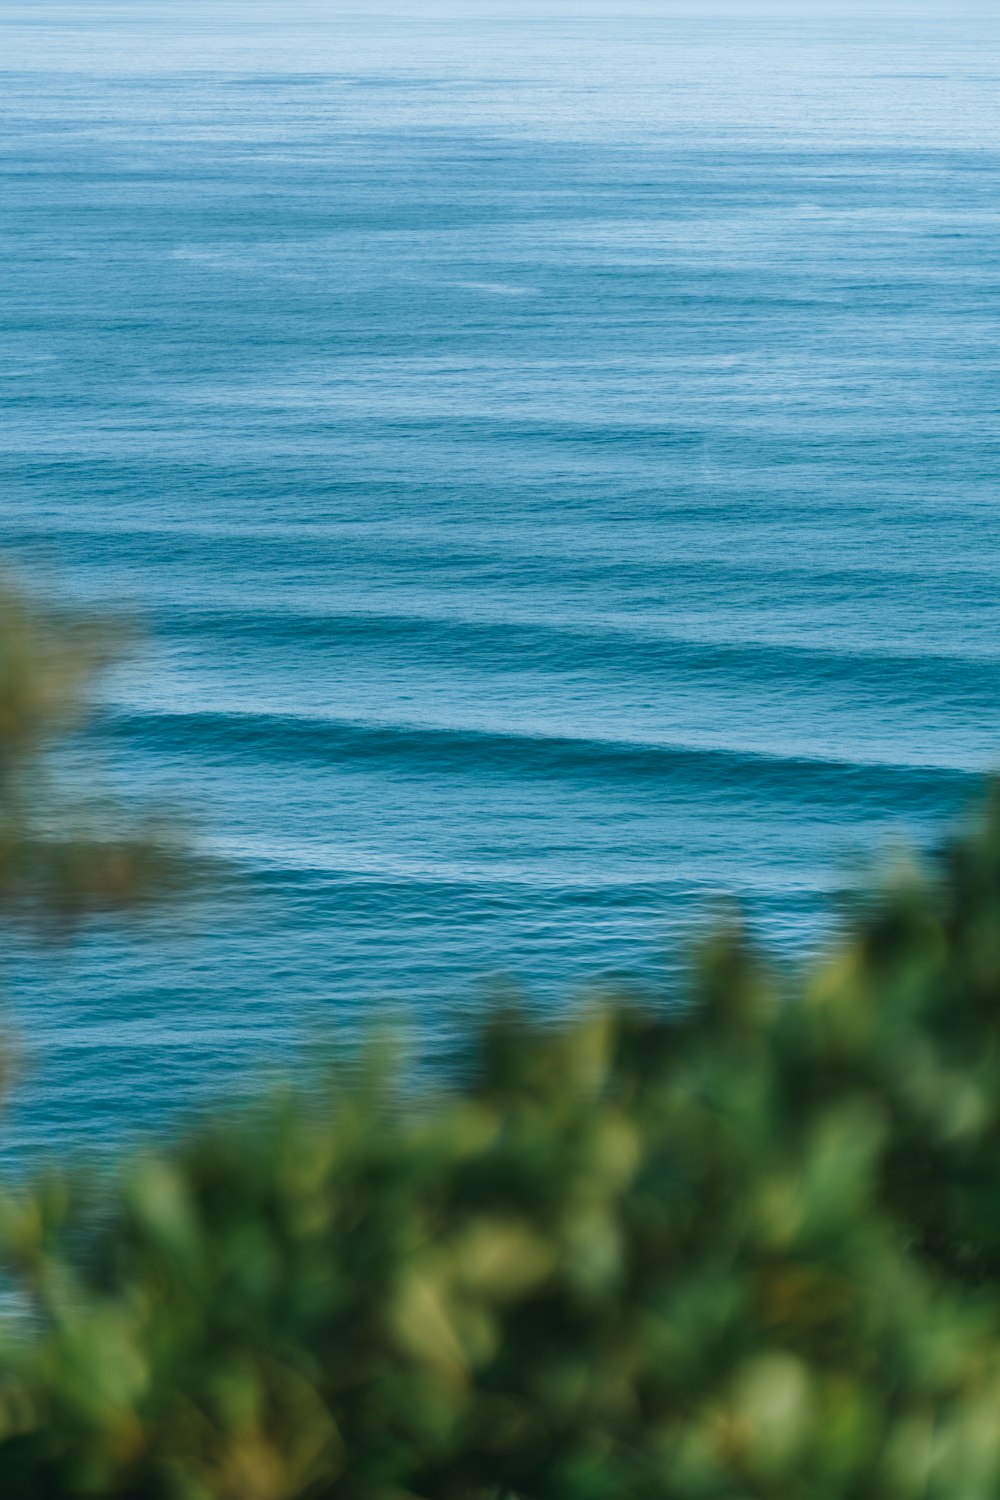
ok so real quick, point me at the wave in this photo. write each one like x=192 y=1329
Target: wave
x=571 y=646
x=436 y=749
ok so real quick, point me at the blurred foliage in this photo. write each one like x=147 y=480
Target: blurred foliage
x=63 y=856
x=749 y=1249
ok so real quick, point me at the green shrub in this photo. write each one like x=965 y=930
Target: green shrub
x=750 y=1249
x=62 y=858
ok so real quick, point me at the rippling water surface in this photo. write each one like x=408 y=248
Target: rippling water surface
x=554 y=454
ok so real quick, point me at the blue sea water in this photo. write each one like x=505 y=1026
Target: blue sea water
x=553 y=451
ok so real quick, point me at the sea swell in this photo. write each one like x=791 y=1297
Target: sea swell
x=472 y=752
x=557 y=487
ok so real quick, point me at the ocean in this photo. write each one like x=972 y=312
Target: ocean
x=551 y=453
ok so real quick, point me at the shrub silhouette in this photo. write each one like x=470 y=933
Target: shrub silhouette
x=748 y=1249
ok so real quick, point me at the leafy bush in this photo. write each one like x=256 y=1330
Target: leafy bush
x=62 y=858
x=750 y=1249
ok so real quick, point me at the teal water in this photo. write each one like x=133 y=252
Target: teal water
x=554 y=455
